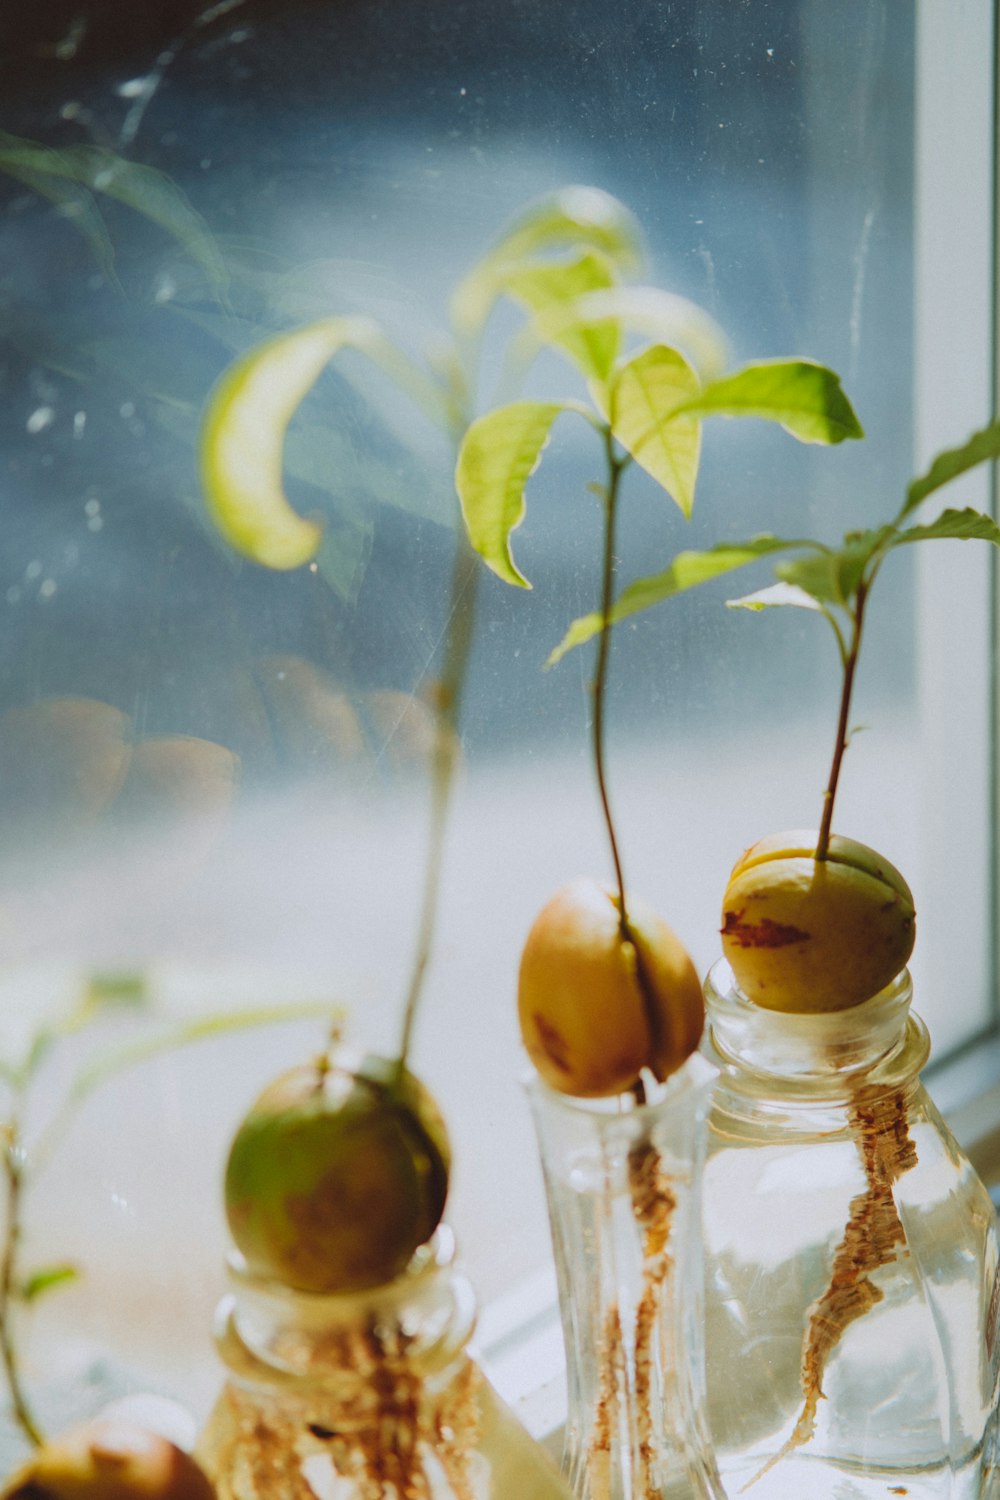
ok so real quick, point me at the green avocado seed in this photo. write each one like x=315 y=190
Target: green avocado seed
x=337 y=1175
x=805 y=935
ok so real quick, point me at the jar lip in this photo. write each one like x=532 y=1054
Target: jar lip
x=879 y=1038
x=693 y=1073
x=722 y=993
x=437 y=1254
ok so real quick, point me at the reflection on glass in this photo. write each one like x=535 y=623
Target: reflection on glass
x=202 y=760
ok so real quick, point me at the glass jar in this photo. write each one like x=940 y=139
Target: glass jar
x=850 y=1262
x=366 y=1396
x=621 y=1185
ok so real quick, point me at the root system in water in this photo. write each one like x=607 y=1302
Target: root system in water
x=873 y=1238
x=377 y=1441
x=653 y=1205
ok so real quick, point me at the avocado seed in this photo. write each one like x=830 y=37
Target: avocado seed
x=108 y=1459
x=803 y=934
x=593 y=1013
x=337 y=1175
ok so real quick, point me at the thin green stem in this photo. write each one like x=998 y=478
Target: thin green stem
x=14 y=1172
x=458 y=642
x=616 y=464
x=850 y=661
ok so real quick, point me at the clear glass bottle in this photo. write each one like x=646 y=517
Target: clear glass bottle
x=367 y=1396
x=850 y=1262
x=621 y=1184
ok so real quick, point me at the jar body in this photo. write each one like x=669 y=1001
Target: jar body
x=368 y=1397
x=850 y=1263
x=621 y=1185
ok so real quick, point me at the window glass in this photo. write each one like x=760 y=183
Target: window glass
x=324 y=159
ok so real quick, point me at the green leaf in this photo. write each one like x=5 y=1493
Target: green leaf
x=499 y=453
x=241 y=448
x=647 y=392
x=687 y=571
x=46 y=1280
x=816 y=574
x=661 y=316
x=38 y=167
x=344 y=555
x=543 y=288
x=579 y=217
x=805 y=398
x=774 y=596
x=156 y=197
x=979 y=448
x=955 y=525
x=70 y=175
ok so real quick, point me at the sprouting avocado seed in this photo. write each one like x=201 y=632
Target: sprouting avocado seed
x=109 y=1460
x=587 y=1026
x=803 y=934
x=337 y=1175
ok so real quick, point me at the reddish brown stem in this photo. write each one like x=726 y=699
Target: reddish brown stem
x=850 y=666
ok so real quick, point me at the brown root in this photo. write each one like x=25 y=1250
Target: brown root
x=376 y=1438
x=871 y=1240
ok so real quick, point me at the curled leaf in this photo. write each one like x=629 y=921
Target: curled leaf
x=243 y=437
x=498 y=455
x=579 y=217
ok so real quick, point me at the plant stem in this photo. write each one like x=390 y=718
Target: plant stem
x=616 y=464
x=8 y=1262
x=458 y=641
x=615 y=467
x=850 y=665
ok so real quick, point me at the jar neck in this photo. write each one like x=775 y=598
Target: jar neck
x=269 y=1332
x=877 y=1041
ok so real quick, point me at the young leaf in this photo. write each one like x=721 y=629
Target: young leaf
x=498 y=455
x=857 y=552
x=775 y=595
x=980 y=447
x=574 y=216
x=647 y=392
x=687 y=571
x=661 y=316
x=544 y=287
x=38 y=167
x=46 y=1280
x=805 y=398
x=243 y=436
x=154 y=195
x=957 y=525
x=816 y=575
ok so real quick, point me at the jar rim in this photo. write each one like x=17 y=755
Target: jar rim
x=878 y=1037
